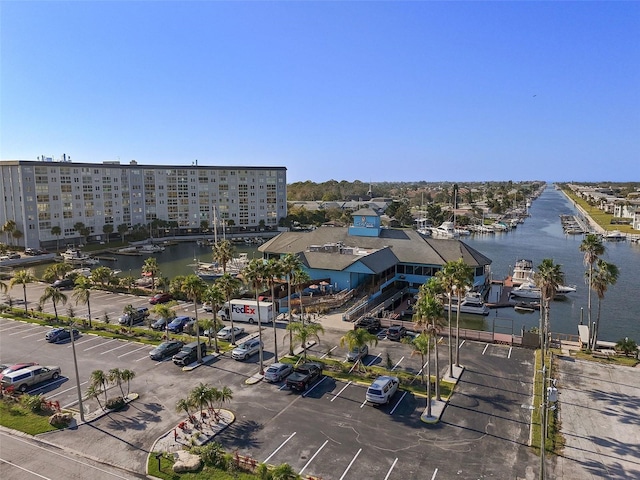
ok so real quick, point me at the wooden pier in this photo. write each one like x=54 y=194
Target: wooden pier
x=503 y=300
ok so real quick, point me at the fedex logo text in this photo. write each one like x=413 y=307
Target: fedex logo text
x=246 y=309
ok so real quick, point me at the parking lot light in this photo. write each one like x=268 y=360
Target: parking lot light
x=75 y=366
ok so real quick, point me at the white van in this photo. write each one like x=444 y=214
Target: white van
x=381 y=391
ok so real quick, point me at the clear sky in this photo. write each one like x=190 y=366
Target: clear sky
x=374 y=91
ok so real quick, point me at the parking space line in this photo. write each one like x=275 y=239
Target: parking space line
x=329 y=352
x=145 y=357
x=391 y=469
x=123 y=345
x=363 y=403
x=11 y=328
x=133 y=351
x=314 y=456
x=374 y=359
x=100 y=345
x=350 y=464
x=27 y=330
x=341 y=390
x=396 y=365
x=510 y=349
x=397 y=403
x=41 y=387
x=435 y=472
x=309 y=391
x=281 y=445
x=64 y=391
x=421 y=370
x=32 y=335
x=462 y=343
x=485 y=348
x=9 y=462
x=91 y=338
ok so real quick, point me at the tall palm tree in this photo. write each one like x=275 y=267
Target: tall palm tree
x=223 y=252
x=22 y=277
x=164 y=310
x=82 y=294
x=57 y=271
x=547 y=278
x=201 y=395
x=101 y=275
x=230 y=286
x=9 y=227
x=130 y=312
x=604 y=274
x=447 y=278
x=151 y=267
x=593 y=248
x=184 y=405
x=193 y=287
x=115 y=376
x=303 y=332
x=290 y=265
x=215 y=296
x=255 y=274
x=56 y=296
x=98 y=381
x=300 y=278
x=273 y=272
x=463 y=279
x=357 y=339
x=57 y=231
x=126 y=376
x=422 y=346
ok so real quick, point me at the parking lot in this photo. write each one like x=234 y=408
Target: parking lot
x=328 y=431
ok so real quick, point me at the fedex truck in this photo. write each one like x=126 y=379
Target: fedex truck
x=245 y=310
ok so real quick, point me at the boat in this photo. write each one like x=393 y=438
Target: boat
x=526 y=290
x=84 y=271
x=76 y=257
x=125 y=250
x=522 y=271
x=526 y=307
x=445 y=230
x=615 y=236
x=471 y=303
x=151 y=248
x=208 y=271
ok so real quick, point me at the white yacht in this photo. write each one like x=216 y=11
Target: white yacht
x=445 y=230
x=151 y=248
x=526 y=290
x=76 y=257
x=522 y=271
x=471 y=303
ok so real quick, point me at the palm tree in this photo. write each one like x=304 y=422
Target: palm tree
x=184 y=405
x=593 y=248
x=56 y=296
x=17 y=234
x=9 y=227
x=82 y=294
x=115 y=376
x=22 y=277
x=193 y=287
x=273 y=272
x=127 y=375
x=164 y=310
x=94 y=392
x=547 y=278
x=215 y=296
x=223 y=253
x=604 y=274
x=422 y=346
x=627 y=346
x=57 y=271
x=300 y=278
x=230 y=286
x=463 y=279
x=98 y=381
x=254 y=274
x=447 y=278
x=357 y=339
x=284 y=472
x=107 y=229
x=200 y=396
x=130 y=312
x=303 y=332
x=57 y=231
x=151 y=267
x=3 y=287
x=290 y=265
x=101 y=275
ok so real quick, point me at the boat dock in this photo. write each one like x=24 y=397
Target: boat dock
x=503 y=298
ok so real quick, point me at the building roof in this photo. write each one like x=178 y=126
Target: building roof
x=319 y=249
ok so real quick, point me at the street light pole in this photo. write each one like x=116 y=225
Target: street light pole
x=543 y=421
x=75 y=365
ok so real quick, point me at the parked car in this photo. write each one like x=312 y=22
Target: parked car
x=189 y=353
x=159 y=324
x=225 y=333
x=27 y=377
x=64 y=283
x=13 y=255
x=56 y=335
x=304 y=375
x=177 y=324
x=277 y=372
x=160 y=298
x=396 y=332
x=370 y=324
x=166 y=349
x=381 y=391
x=382 y=334
x=15 y=367
x=138 y=316
x=246 y=349
x=207 y=307
x=357 y=353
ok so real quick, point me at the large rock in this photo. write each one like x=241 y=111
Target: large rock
x=186 y=462
x=60 y=419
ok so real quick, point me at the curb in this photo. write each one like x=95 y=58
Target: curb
x=438 y=407
x=205 y=360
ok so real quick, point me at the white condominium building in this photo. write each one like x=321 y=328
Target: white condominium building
x=40 y=195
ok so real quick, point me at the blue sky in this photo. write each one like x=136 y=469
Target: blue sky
x=374 y=91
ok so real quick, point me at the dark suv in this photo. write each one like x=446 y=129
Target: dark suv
x=189 y=353
x=370 y=324
x=64 y=283
x=396 y=332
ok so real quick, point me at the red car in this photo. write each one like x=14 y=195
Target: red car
x=160 y=298
x=16 y=367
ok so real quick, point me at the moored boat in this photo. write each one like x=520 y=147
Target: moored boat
x=471 y=303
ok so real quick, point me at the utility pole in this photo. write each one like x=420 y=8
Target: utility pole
x=75 y=365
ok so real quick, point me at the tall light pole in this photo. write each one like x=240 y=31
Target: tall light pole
x=543 y=420
x=75 y=366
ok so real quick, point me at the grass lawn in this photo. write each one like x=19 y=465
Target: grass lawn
x=613 y=360
x=601 y=218
x=554 y=441
x=14 y=415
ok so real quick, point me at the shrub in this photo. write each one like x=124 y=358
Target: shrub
x=212 y=455
x=115 y=403
x=35 y=403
